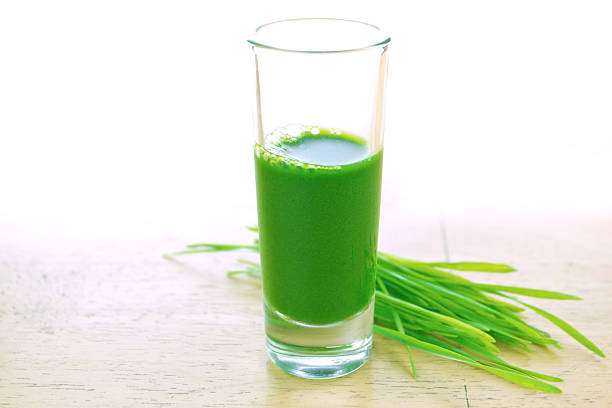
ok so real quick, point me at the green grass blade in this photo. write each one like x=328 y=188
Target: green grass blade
x=537 y=293
x=535 y=374
x=429 y=271
x=412 y=365
x=474 y=266
x=566 y=327
x=249 y=272
x=202 y=248
x=400 y=327
x=521 y=379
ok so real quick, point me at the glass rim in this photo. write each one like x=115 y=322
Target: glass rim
x=385 y=38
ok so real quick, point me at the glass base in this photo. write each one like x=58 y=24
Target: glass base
x=319 y=362
x=319 y=351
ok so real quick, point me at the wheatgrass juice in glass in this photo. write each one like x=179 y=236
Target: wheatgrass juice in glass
x=318 y=167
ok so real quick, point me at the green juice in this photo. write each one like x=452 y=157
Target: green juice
x=318 y=200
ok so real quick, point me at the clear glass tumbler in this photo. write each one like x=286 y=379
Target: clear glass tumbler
x=319 y=116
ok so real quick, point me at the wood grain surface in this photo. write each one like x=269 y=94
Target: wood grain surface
x=110 y=323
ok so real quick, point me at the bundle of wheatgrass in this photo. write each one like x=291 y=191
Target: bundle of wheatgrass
x=423 y=305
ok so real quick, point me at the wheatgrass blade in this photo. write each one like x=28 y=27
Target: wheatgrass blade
x=474 y=266
x=566 y=327
x=400 y=327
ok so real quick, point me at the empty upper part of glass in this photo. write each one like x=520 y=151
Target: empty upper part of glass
x=318 y=35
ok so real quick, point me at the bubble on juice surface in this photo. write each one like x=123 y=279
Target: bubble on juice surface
x=274 y=138
x=288 y=139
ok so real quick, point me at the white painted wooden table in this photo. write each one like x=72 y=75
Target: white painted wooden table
x=107 y=322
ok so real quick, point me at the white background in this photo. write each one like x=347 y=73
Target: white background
x=117 y=111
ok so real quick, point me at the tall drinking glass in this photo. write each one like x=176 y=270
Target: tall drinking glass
x=320 y=96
